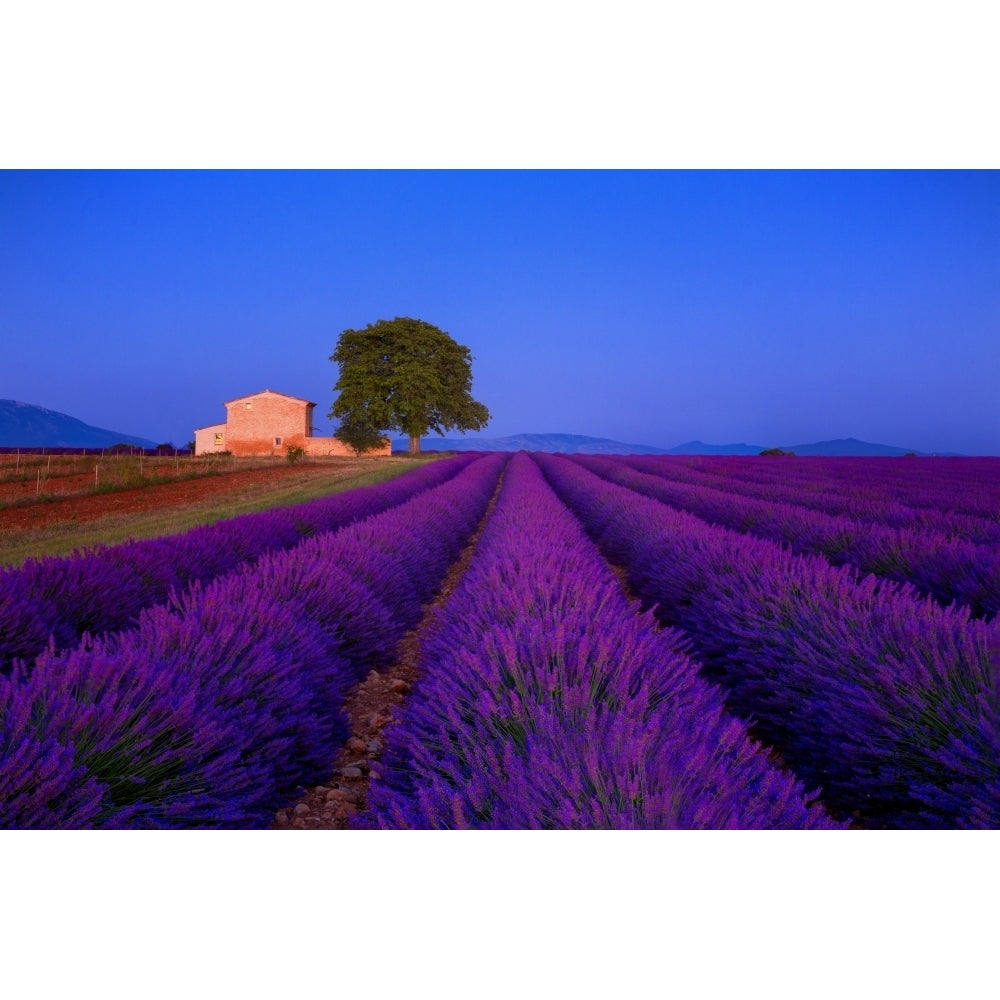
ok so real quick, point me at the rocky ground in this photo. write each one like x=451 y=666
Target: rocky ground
x=331 y=806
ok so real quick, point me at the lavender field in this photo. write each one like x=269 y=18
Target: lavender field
x=636 y=643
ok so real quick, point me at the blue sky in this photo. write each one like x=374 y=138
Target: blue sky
x=653 y=307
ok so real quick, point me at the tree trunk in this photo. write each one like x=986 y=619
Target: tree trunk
x=414 y=444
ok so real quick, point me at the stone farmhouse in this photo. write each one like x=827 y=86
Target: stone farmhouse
x=268 y=423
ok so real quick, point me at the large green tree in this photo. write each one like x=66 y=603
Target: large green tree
x=402 y=374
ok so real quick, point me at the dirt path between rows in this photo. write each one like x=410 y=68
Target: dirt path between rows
x=369 y=707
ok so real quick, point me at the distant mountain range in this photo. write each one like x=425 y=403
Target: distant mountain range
x=25 y=426
x=839 y=446
x=700 y=448
x=579 y=444
x=573 y=444
x=847 y=446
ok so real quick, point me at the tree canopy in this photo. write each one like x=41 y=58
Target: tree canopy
x=402 y=374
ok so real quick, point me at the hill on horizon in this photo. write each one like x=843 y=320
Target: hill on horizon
x=849 y=447
x=23 y=425
x=567 y=444
x=700 y=448
x=580 y=444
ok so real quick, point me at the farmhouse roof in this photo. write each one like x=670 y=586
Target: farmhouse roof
x=298 y=399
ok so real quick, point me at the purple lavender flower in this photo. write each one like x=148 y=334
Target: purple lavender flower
x=549 y=701
x=213 y=710
x=884 y=699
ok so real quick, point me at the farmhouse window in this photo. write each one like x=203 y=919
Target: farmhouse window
x=248 y=406
x=218 y=438
x=277 y=442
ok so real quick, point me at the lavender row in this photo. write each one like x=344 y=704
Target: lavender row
x=864 y=489
x=919 y=479
x=950 y=569
x=213 y=711
x=548 y=701
x=104 y=589
x=885 y=700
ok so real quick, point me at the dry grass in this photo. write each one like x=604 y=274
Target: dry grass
x=76 y=475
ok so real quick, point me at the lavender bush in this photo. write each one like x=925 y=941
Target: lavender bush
x=886 y=700
x=104 y=589
x=949 y=568
x=548 y=701
x=212 y=711
x=956 y=497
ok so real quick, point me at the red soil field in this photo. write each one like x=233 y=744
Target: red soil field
x=77 y=505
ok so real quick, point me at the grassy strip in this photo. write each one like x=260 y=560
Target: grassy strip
x=63 y=538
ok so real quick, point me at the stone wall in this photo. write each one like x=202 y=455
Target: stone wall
x=323 y=446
